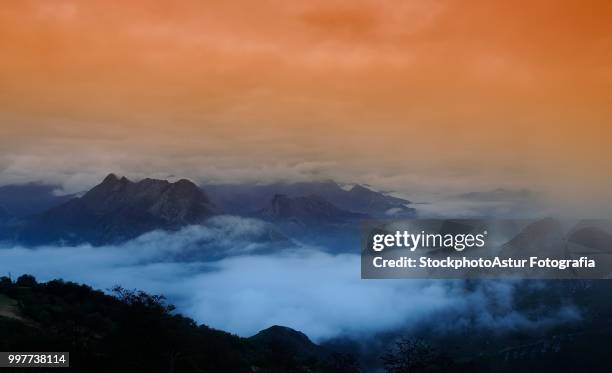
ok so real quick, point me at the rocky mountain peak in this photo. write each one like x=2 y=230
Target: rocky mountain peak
x=118 y=209
x=110 y=178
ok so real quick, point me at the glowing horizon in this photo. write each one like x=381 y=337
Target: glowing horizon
x=397 y=94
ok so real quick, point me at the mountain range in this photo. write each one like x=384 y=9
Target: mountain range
x=119 y=209
x=249 y=198
x=311 y=209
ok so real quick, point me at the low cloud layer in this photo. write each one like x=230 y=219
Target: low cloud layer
x=304 y=288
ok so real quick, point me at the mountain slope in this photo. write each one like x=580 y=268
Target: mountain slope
x=247 y=198
x=314 y=220
x=367 y=201
x=21 y=200
x=499 y=194
x=134 y=332
x=281 y=339
x=119 y=209
x=545 y=236
x=305 y=210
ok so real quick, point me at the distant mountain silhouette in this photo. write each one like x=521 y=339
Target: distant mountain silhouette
x=594 y=238
x=21 y=200
x=247 y=198
x=364 y=200
x=499 y=194
x=545 y=237
x=282 y=340
x=314 y=220
x=554 y=239
x=119 y=209
x=305 y=210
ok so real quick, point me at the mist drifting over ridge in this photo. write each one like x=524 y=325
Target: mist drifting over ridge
x=258 y=284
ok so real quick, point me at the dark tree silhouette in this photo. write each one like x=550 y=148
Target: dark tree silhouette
x=131 y=331
x=26 y=280
x=344 y=363
x=416 y=356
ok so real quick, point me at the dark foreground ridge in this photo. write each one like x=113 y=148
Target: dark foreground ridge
x=132 y=331
x=136 y=332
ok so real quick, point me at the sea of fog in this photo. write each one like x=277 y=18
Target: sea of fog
x=302 y=287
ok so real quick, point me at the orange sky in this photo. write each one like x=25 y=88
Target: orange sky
x=401 y=94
